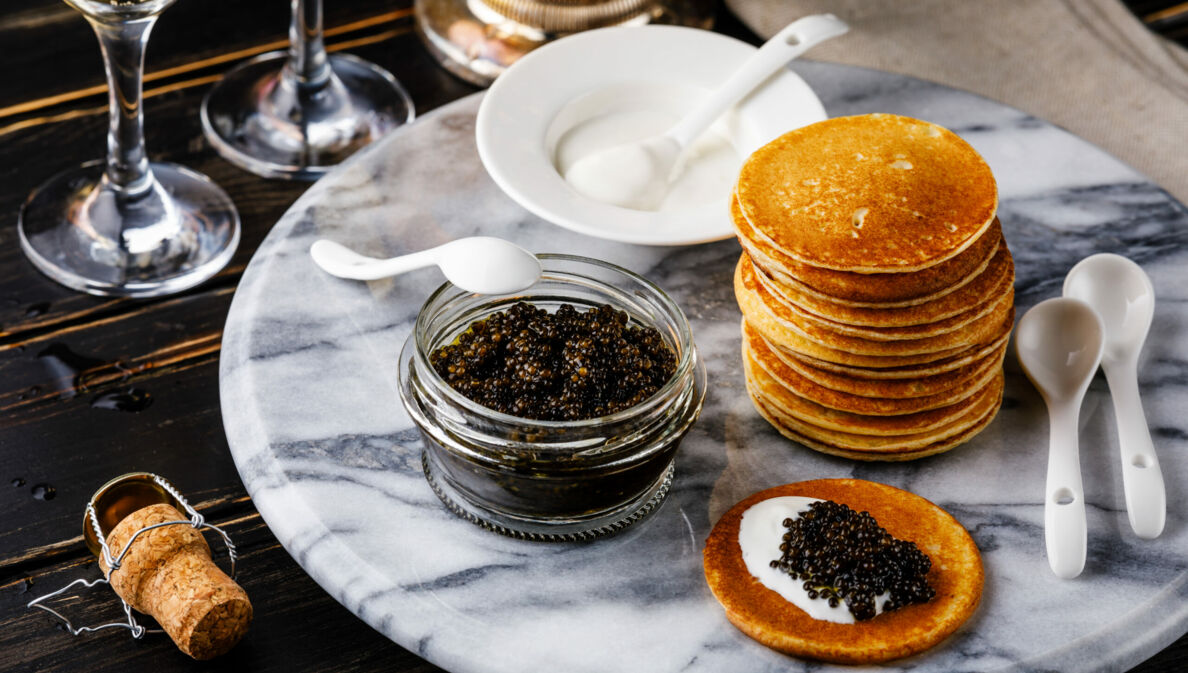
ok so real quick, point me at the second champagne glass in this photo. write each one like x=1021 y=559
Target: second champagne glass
x=296 y=114
x=124 y=226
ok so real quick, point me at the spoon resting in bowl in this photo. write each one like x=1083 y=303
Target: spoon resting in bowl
x=636 y=175
x=479 y=264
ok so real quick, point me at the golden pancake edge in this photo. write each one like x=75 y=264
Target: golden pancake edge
x=781 y=325
x=869 y=193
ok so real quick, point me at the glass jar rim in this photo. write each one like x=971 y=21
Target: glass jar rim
x=684 y=333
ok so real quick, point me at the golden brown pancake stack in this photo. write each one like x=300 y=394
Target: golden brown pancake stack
x=876 y=288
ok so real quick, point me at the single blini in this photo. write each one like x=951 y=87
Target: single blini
x=955 y=578
x=868 y=194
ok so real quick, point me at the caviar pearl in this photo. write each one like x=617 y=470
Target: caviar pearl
x=761 y=530
x=847 y=551
x=561 y=366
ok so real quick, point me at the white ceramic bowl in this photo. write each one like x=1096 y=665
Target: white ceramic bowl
x=574 y=79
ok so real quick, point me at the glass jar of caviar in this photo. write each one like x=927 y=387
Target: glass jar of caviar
x=551 y=479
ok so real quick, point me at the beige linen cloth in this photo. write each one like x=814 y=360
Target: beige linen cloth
x=1089 y=66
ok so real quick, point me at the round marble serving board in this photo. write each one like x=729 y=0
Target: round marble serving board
x=332 y=462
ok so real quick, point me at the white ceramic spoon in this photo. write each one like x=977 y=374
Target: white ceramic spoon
x=1121 y=293
x=636 y=175
x=480 y=264
x=1059 y=342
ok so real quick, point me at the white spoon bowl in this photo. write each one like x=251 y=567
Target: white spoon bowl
x=479 y=264
x=1122 y=294
x=1059 y=342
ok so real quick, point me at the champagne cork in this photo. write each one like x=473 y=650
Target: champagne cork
x=168 y=574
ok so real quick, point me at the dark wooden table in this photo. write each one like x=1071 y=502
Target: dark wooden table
x=68 y=362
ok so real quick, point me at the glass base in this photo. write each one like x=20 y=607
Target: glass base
x=476 y=40
x=81 y=232
x=554 y=530
x=261 y=119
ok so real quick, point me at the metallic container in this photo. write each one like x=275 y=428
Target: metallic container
x=120 y=497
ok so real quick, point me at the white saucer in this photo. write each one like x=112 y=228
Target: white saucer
x=557 y=86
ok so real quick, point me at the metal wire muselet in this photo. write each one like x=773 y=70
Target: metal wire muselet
x=92 y=516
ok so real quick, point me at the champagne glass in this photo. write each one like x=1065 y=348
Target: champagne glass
x=296 y=114
x=124 y=226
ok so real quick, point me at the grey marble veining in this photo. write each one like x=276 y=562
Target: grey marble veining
x=332 y=462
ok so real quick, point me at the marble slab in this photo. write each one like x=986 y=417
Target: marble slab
x=330 y=459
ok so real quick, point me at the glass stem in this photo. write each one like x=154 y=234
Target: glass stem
x=123 y=46
x=307 y=50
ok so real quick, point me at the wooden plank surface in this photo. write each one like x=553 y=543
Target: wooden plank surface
x=65 y=356
x=68 y=362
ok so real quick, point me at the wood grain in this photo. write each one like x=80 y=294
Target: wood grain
x=297 y=626
x=53 y=116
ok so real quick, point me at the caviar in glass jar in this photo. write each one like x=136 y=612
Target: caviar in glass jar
x=563 y=366
x=843 y=555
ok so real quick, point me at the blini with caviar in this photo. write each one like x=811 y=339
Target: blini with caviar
x=843 y=570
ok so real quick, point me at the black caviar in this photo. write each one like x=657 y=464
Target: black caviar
x=562 y=366
x=843 y=555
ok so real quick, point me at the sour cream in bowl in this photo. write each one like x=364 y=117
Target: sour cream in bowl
x=614 y=85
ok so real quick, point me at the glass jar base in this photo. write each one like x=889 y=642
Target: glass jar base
x=546 y=531
x=80 y=232
x=259 y=118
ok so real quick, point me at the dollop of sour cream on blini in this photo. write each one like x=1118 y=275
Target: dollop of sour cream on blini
x=759 y=536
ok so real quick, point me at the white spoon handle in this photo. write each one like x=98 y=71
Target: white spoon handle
x=340 y=261
x=797 y=38
x=1142 y=478
x=1064 y=501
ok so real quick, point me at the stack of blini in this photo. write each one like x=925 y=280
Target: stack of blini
x=876 y=288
